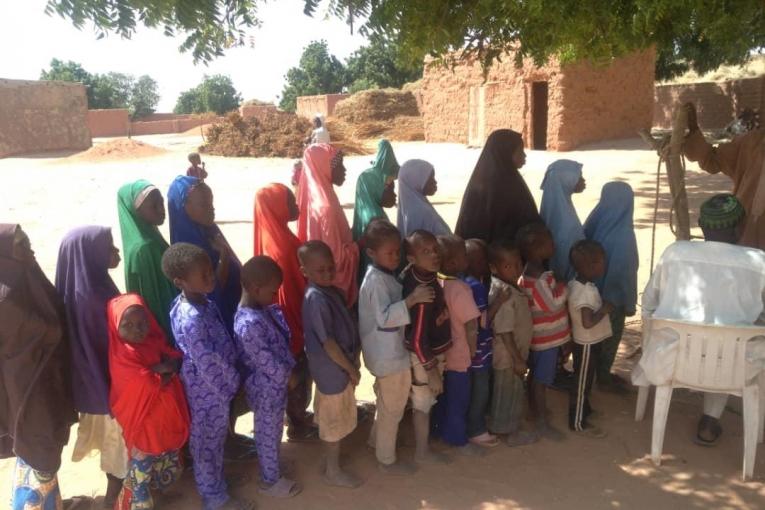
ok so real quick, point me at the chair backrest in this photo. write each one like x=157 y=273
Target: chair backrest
x=710 y=357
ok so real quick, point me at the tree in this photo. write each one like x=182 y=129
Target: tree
x=379 y=65
x=215 y=94
x=144 y=97
x=317 y=73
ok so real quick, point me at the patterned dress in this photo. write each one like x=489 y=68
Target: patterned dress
x=211 y=380
x=34 y=490
x=263 y=340
x=146 y=472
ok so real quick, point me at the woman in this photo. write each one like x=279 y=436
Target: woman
x=36 y=407
x=192 y=220
x=322 y=217
x=83 y=282
x=275 y=207
x=141 y=210
x=497 y=201
x=611 y=224
x=417 y=181
x=562 y=179
x=374 y=189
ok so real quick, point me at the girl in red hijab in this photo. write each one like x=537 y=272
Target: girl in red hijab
x=146 y=398
x=275 y=207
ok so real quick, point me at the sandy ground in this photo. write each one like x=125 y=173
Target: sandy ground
x=49 y=194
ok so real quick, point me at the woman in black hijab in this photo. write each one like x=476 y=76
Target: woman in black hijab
x=497 y=201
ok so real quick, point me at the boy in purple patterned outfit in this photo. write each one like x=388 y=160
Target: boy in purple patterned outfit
x=263 y=336
x=208 y=371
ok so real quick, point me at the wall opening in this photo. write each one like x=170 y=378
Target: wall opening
x=539 y=93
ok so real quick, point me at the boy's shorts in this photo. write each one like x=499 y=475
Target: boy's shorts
x=335 y=414
x=544 y=365
x=423 y=398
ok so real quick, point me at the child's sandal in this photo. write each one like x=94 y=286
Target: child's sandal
x=283 y=488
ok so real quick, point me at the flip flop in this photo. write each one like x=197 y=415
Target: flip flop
x=282 y=489
x=712 y=426
x=486 y=443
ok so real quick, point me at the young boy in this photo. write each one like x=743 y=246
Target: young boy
x=197 y=168
x=383 y=314
x=332 y=348
x=513 y=329
x=547 y=300
x=590 y=325
x=451 y=415
x=208 y=371
x=427 y=337
x=262 y=335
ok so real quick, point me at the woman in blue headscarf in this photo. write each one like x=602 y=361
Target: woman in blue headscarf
x=562 y=179
x=192 y=220
x=610 y=224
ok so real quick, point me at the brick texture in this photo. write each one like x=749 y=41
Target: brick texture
x=309 y=106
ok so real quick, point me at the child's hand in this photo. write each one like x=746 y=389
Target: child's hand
x=220 y=245
x=443 y=317
x=519 y=366
x=355 y=376
x=607 y=307
x=435 y=383
x=421 y=294
x=166 y=378
x=293 y=381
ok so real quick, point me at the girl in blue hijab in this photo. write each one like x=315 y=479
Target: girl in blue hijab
x=192 y=220
x=562 y=179
x=610 y=224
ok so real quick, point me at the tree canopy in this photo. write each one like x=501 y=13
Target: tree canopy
x=215 y=94
x=317 y=73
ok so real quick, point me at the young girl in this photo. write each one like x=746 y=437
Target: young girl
x=417 y=181
x=562 y=179
x=36 y=407
x=610 y=224
x=82 y=280
x=147 y=400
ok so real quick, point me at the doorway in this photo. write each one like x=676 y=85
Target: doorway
x=539 y=92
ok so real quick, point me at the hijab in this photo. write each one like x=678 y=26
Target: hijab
x=274 y=238
x=558 y=213
x=36 y=408
x=370 y=187
x=415 y=212
x=154 y=417
x=322 y=217
x=497 y=201
x=184 y=230
x=84 y=284
x=143 y=247
x=610 y=224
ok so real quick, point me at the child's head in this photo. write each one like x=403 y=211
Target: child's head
x=477 y=258
x=134 y=324
x=338 y=168
x=189 y=268
x=150 y=206
x=382 y=242
x=317 y=123
x=589 y=259
x=22 y=248
x=317 y=263
x=388 y=198
x=422 y=251
x=195 y=159
x=505 y=261
x=199 y=205
x=453 y=255
x=261 y=278
x=535 y=242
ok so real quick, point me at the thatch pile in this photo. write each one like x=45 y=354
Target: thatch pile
x=388 y=113
x=271 y=135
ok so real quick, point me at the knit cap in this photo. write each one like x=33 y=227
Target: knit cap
x=721 y=212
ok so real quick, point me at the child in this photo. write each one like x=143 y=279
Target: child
x=590 y=326
x=427 y=337
x=262 y=335
x=451 y=414
x=513 y=329
x=382 y=317
x=147 y=400
x=547 y=300
x=332 y=347
x=197 y=168
x=208 y=371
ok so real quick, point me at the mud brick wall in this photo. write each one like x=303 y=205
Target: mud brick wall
x=114 y=122
x=309 y=106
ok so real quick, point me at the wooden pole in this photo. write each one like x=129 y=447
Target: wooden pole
x=676 y=175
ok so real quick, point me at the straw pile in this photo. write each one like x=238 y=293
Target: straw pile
x=389 y=113
x=271 y=135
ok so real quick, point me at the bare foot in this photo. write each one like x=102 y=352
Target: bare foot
x=470 y=450
x=398 y=468
x=342 y=479
x=522 y=438
x=592 y=432
x=431 y=457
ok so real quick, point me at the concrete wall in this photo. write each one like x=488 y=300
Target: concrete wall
x=114 y=122
x=42 y=115
x=717 y=103
x=309 y=106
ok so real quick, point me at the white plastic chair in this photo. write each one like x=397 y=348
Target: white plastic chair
x=710 y=358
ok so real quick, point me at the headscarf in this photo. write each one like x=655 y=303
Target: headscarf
x=415 y=212
x=274 y=238
x=497 y=201
x=322 y=217
x=83 y=282
x=610 y=224
x=558 y=213
x=143 y=247
x=183 y=230
x=154 y=417
x=36 y=408
x=370 y=187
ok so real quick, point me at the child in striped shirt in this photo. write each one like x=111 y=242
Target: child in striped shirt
x=547 y=300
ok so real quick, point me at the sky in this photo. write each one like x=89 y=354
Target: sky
x=29 y=39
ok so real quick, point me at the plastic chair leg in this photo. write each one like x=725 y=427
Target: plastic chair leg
x=761 y=424
x=662 y=399
x=751 y=426
x=642 y=401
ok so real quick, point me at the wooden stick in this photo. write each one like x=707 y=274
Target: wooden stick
x=676 y=174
